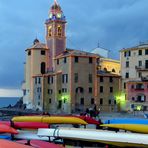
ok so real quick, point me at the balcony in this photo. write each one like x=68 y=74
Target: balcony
x=144 y=79
x=141 y=68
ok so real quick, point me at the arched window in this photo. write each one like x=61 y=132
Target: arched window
x=43 y=67
x=79 y=90
x=113 y=70
x=105 y=69
x=49 y=31
x=59 y=29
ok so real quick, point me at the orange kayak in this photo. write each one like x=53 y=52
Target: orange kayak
x=9 y=144
x=7 y=129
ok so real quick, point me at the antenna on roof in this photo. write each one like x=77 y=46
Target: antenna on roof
x=98 y=44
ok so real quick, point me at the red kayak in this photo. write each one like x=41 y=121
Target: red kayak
x=28 y=125
x=9 y=144
x=39 y=144
x=7 y=129
x=88 y=119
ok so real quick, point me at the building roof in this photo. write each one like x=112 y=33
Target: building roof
x=74 y=52
x=141 y=45
x=38 y=45
x=110 y=60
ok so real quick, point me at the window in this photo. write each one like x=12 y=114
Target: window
x=105 y=69
x=82 y=101
x=65 y=60
x=113 y=70
x=64 y=90
x=101 y=89
x=42 y=52
x=39 y=80
x=146 y=51
x=76 y=77
x=90 y=78
x=35 y=80
x=50 y=80
x=140 y=63
x=92 y=101
x=101 y=101
x=124 y=85
x=129 y=53
x=132 y=87
x=50 y=101
x=125 y=54
x=43 y=67
x=59 y=91
x=90 y=60
x=39 y=89
x=29 y=53
x=57 y=61
x=76 y=59
x=90 y=89
x=111 y=89
x=139 y=74
x=59 y=31
x=146 y=64
x=127 y=63
x=101 y=78
x=111 y=79
x=38 y=103
x=109 y=102
x=79 y=90
x=140 y=52
x=126 y=75
x=115 y=102
x=65 y=78
x=49 y=31
x=50 y=91
x=39 y=97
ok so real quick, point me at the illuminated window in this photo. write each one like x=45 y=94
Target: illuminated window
x=49 y=31
x=59 y=31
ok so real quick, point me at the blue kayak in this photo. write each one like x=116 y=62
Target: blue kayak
x=126 y=121
x=5 y=137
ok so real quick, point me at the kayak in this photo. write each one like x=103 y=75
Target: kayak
x=108 y=137
x=27 y=125
x=50 y=119
x=7 y=129
x=126 y=121
x=39 y=144
x=32 y=135
x=138 y=128
x=8 y=144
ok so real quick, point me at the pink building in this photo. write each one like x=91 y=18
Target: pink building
x=137 y=94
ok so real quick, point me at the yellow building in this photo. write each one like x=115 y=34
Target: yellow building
x=110 y=65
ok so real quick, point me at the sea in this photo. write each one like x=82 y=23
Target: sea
x=6 y=101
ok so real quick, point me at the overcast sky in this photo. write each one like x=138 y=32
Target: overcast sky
x=115 y=24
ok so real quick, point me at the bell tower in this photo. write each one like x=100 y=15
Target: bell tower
x=55 y=33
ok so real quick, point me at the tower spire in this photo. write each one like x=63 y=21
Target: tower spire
x=55 y=2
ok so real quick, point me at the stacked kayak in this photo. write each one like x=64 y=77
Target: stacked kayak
x=133 y=125
x=50 y=119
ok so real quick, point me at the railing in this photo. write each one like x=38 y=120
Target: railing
x=141 y=68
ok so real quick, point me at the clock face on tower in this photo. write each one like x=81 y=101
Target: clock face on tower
x=59 y=15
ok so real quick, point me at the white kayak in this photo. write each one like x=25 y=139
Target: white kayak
x=108 y=137
x=32 y=135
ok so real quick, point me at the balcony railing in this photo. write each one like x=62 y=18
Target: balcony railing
x=141 y=68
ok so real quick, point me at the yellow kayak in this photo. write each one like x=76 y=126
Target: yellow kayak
x=138 y=128
x=50 y=119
